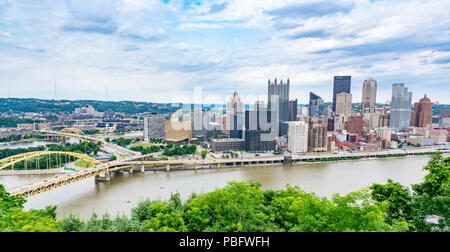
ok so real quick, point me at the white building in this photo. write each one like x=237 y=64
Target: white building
x=234 y=106
x=298 y=137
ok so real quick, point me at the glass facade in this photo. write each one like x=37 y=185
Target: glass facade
x=341 y=84
x=400 y=107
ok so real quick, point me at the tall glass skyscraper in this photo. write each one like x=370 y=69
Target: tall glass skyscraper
x=400 y=107
x=317 y=107
x=341 y=84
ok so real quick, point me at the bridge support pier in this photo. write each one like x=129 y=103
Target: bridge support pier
x=168 y=167
x=131 y=170
x=142 y=168
x=107 y=177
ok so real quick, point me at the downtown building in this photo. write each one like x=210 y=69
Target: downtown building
x=154 y=127
x=279 y=93
x=317 y=135
x=423 y=114
x=400 y=116
x=317 y=106
x=343 y=103
x=369 y=96
x=298 y=137
x=341 y=84
x=235 y=106
x=293 y=110
x=259 y=131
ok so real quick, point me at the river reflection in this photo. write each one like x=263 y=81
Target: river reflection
x=124 y=191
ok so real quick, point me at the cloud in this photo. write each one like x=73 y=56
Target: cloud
x=81 y=22
x=135 y=45
x=310 y=9
x=318 y=33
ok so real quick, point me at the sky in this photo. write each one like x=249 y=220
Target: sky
x=161 y=50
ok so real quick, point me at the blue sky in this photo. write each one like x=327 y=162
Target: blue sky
x=161 y=49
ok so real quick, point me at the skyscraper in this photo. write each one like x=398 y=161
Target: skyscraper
x=298 y=137
x=317 y=107
x=341 y=84
x=293 y=110
x=343 y=103
x=317 y=136
x=154 y=127
x=400 y=107
x=234 y=106
x=259 y=134
x=369 y=96
x=282 y=91
x=423 y=114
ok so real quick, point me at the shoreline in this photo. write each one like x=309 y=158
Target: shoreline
x=181 y=167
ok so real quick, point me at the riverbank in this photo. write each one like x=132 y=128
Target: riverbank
x=125 y=190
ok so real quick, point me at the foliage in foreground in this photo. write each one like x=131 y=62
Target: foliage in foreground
x=14 y=219
x=246 y=207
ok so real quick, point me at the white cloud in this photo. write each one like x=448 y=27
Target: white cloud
x=147 y=50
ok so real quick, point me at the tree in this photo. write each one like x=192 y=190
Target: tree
x=163 y=219
x=239 y=207
x=398 y=199
x=14 y=219
x=431 y=197
x=203 y=154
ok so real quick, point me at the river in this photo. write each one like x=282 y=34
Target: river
x=124 y=191
x=29 y=144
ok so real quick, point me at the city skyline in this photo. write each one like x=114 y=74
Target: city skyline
x=120 y=54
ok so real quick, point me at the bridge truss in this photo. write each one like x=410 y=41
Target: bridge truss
x=99 y=168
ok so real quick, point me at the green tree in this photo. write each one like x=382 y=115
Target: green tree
x=203 y=154
x=432 y=196
x=239 y=207
x=14 y=219
x=398 y=199
x=163 y=219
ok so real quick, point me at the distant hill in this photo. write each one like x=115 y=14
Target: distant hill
x=18 y=105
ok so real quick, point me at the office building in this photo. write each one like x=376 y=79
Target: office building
x=400 y=107
x=259 y=131
x=343 y=103
x=423 y=114
x=355 y=125
x=154 y=127
x=234 y=105
x=298 y=137
x=280 y=90
x=340 y=84
x=293 y=110
x=317 y=107
x=237 y=122
x=227 y=145
x=369 y=96
x=317 y=137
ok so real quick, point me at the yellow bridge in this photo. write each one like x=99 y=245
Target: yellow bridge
x=61 y=158
x=51 y=159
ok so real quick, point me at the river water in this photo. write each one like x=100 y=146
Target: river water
x=124 y=191
x=29 y=144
